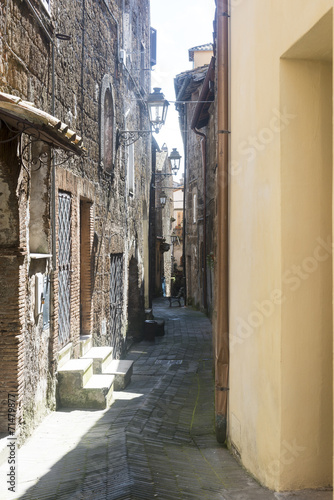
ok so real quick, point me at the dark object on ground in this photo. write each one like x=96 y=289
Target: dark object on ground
x=177 y=298
x=154 y=328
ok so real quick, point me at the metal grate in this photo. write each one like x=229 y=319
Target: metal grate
x=116 y=298
x=64 y=268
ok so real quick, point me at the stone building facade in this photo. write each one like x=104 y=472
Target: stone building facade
x=177 y=228
x=194 y=92
x=74 y=216
x=163 y=223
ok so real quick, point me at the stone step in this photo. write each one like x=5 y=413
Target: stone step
x=78 y=387
x=101 y=357
x=64 y=355
x=77 y=371
x=99 y=391
x=122 y=370
x=86 y=343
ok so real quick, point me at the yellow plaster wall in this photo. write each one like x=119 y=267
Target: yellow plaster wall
x=202 y=57
x=306 y=358
x=280 y=195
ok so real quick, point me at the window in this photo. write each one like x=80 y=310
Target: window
x=153 y=46
x=131 y=169
x=108 y=130
x=127 y=34
x=107 y=125
x=142 y=65
x=39 y=232
x=195 y=208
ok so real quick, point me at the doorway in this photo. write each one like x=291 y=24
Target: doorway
x=86 y=243
x=306 y=201
x=135 y=302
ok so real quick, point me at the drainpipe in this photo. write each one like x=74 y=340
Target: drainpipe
x=203 y=147
x=222 y=329
x=184 y=232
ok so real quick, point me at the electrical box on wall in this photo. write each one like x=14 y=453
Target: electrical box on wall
x=39 y=296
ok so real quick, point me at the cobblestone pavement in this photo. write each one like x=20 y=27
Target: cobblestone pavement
x=155 y=442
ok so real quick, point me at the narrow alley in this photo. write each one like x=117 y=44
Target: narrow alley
x=157 y=439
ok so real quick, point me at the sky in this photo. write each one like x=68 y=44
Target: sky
x=180 y=25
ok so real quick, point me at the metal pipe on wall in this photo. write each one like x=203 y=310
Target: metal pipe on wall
x=203 y=147
x=222 y=328
x=184 y=232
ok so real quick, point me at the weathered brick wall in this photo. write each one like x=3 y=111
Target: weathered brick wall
x=12 y=267
x=115 y=220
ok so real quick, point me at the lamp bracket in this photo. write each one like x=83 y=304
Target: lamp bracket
x=128 y=137
x=43 y=159
x=27 y=156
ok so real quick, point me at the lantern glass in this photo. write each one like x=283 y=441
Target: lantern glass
x=175 y=159
x=163 y=199
x=157 y=108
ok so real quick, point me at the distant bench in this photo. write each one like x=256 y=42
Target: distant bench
x=177 y=298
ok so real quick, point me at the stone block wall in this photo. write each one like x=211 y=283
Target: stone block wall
x=64 y=78
x=196 y=256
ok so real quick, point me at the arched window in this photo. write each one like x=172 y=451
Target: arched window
x=108 y=130
x=107 y=125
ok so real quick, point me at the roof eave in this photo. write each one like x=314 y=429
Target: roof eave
x=201 y=117
x=28 y=119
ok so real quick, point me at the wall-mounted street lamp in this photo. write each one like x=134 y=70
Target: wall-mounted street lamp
x=163 y=199
x=157 y=107
x=175 y=159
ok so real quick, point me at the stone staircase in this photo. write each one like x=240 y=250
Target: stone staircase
x=89 y=381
